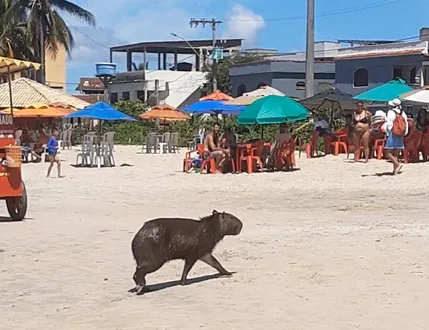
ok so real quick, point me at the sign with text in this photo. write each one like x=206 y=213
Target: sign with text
x=6 y=124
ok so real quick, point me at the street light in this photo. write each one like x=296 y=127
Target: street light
x=187 y=42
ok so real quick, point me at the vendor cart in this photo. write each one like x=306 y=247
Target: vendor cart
x=12 y=188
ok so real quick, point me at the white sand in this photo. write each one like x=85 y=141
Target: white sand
x=321 y=248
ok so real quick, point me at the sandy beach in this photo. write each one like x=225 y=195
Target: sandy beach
x=331 y=246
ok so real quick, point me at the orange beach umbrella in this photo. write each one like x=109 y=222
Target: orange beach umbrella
x=217 y=95
x=44 y=111
x=164 y=112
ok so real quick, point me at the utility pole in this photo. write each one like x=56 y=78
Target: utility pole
x=309 y=58
x=213 y=24
x=42 y=45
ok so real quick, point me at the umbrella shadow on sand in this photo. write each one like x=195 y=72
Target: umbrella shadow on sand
x=170 y=284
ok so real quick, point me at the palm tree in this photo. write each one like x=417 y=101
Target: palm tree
x=13 y=32
x=46 y=29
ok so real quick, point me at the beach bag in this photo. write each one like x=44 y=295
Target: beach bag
x=399 y=125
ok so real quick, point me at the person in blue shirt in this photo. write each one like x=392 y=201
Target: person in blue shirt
x=52 y=147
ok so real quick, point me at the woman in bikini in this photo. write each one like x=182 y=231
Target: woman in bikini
x=361 y=132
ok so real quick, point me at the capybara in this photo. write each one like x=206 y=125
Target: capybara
x=164 y=239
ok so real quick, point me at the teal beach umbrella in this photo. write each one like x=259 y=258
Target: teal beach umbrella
x=272 y=109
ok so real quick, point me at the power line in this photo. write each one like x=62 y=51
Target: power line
x=376 y=4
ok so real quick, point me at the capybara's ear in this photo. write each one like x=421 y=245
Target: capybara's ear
x=215 y=212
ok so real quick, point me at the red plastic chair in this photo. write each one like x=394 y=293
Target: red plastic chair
x=378 y=148
x=208 y=164
x=286 y=155
x=412 y=142
x=311 y=146
x=339 y=142
x=424 y=146
x=253 y=158
x=187 y=161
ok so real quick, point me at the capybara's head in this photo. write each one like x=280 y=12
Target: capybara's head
x=228 y=223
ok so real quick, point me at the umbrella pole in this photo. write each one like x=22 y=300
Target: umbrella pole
x=262 y=132
x=9 y=80
x=99 y=137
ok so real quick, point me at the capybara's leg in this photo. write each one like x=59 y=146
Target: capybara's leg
x=142 y=271
x=210 y=260
x=139 y=279
x=189 y=263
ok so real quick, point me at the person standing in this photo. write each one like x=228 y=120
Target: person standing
x=396 y=130
x=52 y=147
x=361 y=132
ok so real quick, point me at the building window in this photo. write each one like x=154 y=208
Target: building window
x=397 y=73
x=413 y=74
x=262 y=84
x=140 y=95
x=125 y=96
x=113 y=98
x=241 y=89
x=360 y=78
x=300 y=85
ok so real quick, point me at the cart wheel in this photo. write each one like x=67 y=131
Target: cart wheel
x=17 y=206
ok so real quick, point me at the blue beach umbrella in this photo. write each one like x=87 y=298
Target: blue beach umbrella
x=101 y=111
x=214 y=107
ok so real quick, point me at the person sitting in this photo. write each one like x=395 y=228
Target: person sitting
x=228 y=140
x=322 y=127
x=421 y=121
x=282 y=136
x=212 y=145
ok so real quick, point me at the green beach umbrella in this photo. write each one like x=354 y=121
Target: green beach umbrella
x=386 y=92
x=272 y=109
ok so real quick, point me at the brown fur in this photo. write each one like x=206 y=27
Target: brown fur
x=164 y=239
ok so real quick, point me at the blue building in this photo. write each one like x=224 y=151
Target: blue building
x=358 y=69
x=285 y=72
x=286 y=76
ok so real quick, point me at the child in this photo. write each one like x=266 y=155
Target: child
x=52 y=147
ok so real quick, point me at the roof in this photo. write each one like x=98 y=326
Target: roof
x=393 y=49
x=270 y=60
x=90 y=98
x=366 y=42
x=89 y=84
x=182 y=47
x=26 y=92
x=381 y=54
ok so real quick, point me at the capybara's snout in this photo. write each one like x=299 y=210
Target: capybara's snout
x=235 y=227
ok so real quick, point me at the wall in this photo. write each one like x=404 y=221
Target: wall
x=56 y=70
x=380 y=70
x=282 y=75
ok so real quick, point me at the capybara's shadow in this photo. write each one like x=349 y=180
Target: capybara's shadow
x=379 y=174
x=170 y=284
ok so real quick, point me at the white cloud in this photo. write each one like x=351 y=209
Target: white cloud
x=243 y=23
x=127 y=21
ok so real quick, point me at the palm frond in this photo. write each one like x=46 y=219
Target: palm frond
x=74 y=10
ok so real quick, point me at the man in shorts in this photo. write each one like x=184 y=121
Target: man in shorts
x=52 y=147
x=211 y=144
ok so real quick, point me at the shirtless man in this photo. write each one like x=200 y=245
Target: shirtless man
x=211 y=144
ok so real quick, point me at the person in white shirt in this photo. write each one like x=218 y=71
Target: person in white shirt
x=394 y=143
x=322 y=126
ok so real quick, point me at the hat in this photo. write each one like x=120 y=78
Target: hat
x=380 y=113
x=394 y=103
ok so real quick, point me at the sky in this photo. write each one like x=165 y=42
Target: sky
x=274 y=24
